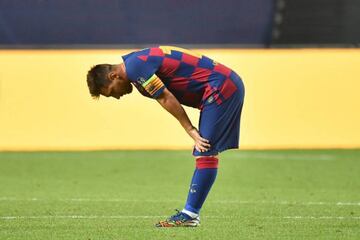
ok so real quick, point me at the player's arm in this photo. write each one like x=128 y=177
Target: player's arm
x=168 y=101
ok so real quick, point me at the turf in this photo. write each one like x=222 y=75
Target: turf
x=121 y=194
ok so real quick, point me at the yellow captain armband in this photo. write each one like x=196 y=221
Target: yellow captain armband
x=153 y=85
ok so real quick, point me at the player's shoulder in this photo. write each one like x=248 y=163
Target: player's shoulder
x=143 y=63
x=144 y=55
x=135 y=54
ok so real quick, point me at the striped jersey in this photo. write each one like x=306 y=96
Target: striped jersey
x=195 y=80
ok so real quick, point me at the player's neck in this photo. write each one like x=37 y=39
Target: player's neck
x=120 y=69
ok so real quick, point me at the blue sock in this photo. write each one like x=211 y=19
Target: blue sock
x=202 y=180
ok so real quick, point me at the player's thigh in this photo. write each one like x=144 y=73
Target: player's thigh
x=217 y=121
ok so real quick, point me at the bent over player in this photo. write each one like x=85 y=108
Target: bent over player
x=175 y=76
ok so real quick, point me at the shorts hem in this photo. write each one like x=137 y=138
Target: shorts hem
x=214 y=152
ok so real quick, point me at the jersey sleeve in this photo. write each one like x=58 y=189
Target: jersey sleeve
x=142 y=73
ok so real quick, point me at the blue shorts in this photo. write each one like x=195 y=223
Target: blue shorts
x=220 y=124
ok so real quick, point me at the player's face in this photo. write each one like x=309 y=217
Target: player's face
x=117 y=88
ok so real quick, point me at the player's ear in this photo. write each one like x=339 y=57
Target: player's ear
x=111 y=76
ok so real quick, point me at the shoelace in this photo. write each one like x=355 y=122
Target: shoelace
x=178 y=216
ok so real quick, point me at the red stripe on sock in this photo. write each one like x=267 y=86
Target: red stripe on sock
x=207 y=162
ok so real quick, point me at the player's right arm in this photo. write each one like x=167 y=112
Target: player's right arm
x=168 y=101
x=142 y=71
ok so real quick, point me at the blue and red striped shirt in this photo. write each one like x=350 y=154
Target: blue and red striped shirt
x=195 y=80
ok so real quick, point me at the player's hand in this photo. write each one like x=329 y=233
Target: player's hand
x=201 y=144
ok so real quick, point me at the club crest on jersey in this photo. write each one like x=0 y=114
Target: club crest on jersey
x=141 y=80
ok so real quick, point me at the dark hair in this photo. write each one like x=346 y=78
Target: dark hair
x=97 y=78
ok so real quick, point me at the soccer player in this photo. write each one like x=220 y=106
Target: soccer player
x=175 y=76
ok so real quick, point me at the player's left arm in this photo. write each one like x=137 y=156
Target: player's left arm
x=168 y=101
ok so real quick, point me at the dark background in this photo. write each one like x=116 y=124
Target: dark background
x=259 y=23
x=317 y=22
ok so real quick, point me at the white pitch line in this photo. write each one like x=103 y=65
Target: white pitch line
x=322 y=217
x=284 y=156
x=76 y=217
x=151 y=217
x=173 y=200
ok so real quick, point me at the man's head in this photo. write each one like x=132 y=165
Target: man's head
x=108 y=80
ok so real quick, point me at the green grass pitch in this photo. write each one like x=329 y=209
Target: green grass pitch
x=293 y=194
